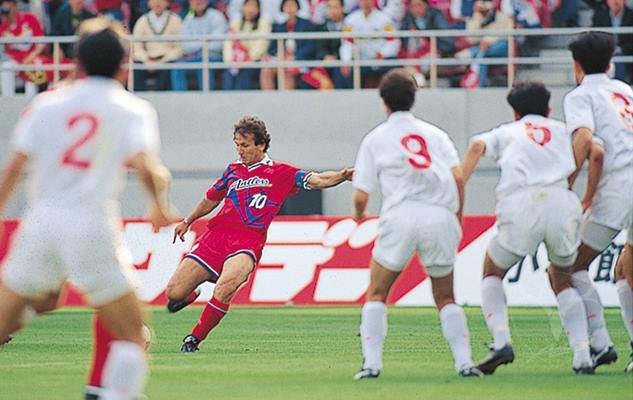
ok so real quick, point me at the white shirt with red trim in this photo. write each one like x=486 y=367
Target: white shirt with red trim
x=78 y=138
x=376 y=21
x=407 y=159
x=533 y=151
x=605 y=106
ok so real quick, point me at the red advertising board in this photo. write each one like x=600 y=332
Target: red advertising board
x=323 y=261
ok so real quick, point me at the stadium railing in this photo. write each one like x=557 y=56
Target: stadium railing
x=431 y=63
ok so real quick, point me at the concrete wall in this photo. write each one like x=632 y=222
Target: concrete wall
x=313 y=130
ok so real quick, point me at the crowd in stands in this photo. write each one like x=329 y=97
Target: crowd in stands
x=191 y=17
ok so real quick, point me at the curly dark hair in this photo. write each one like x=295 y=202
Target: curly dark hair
x=250 y=125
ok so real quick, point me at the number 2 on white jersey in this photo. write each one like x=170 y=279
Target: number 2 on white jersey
x=258 y=201
x=70 y=158
x=415 y=146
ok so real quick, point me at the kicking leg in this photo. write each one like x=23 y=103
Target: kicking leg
x=234 y=273
x=182 y=286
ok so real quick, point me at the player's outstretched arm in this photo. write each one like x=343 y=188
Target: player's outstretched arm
x=475 y=151
x=359 y=199
x=594 y=170
x=155 y=178
x=10 y=177
x=204 y=207
x=326 y=179
x=581 y=142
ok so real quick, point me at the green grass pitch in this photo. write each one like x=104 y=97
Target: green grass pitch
x=312 y=353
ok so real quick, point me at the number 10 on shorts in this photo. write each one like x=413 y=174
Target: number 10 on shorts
x=258 y=201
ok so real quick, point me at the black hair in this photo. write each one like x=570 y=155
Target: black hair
x=593 y=51
x=529 y=98
x=281 y=7
x=101 y=52
x=256 y=22
x=397 y=90
x=250 y=125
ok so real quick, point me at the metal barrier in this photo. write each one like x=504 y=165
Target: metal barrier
x=432 y=62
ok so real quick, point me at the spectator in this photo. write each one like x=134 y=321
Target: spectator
x=270 y=10
x=158 y=21
x=66 y=21
x=293 y=49
x=618 y=15
x=14 y=23
x=328 y=49
x=245 y=50
x=487 y=16
x=420 y=17
x=461 y=10
x=394 y=9
x=110 y=9
x=200 y=21
x=367 y=19
x=222 y=6
x=567 y=14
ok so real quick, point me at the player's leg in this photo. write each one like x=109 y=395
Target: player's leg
x=624 y=284
x=452 y=319
x=594 y=239
x=30 y=310
x=392 y=251
x=494 y=305
x=12 y=305
x=125 y=368
x=572 y=311
x=373 y=325
x=182 y=286
x=234 y=273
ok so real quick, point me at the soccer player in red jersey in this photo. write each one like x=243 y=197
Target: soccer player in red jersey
x=254 y=188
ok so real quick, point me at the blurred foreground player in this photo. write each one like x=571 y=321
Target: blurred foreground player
x=253 y=189
x=78 y=140
x=415 y=167
x=599 y=115
x=534 y=205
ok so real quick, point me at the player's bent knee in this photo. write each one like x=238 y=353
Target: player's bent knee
x=502 y=259
x=564 y=261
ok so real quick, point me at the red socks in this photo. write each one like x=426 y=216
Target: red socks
x=101 y=347
x=211 y=316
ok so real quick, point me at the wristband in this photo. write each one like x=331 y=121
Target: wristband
x=186 y=221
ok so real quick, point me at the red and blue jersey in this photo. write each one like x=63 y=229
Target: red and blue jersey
x=254 y=194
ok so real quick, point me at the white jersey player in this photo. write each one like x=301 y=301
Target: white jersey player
x=534 y=205
x=599 y=115
x=414 y=165
x=78 y=141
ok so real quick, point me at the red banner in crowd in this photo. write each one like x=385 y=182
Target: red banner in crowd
x=324 y=261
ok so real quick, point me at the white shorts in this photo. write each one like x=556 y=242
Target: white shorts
x=612 y=205
x=433 y=231
x=533 y=215
x=54 y=246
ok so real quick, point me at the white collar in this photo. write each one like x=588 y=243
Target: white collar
x=400 y=115
x=595 y=78
x=265 y=161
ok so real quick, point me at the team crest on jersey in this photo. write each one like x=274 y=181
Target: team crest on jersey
x=254 y=181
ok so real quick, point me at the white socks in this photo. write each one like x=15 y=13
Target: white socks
x=593 y=307
x=373 y=329
x=625 y=293
x=455 y=331
x=493 y=305
x=124 y=372
x=572 y=315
